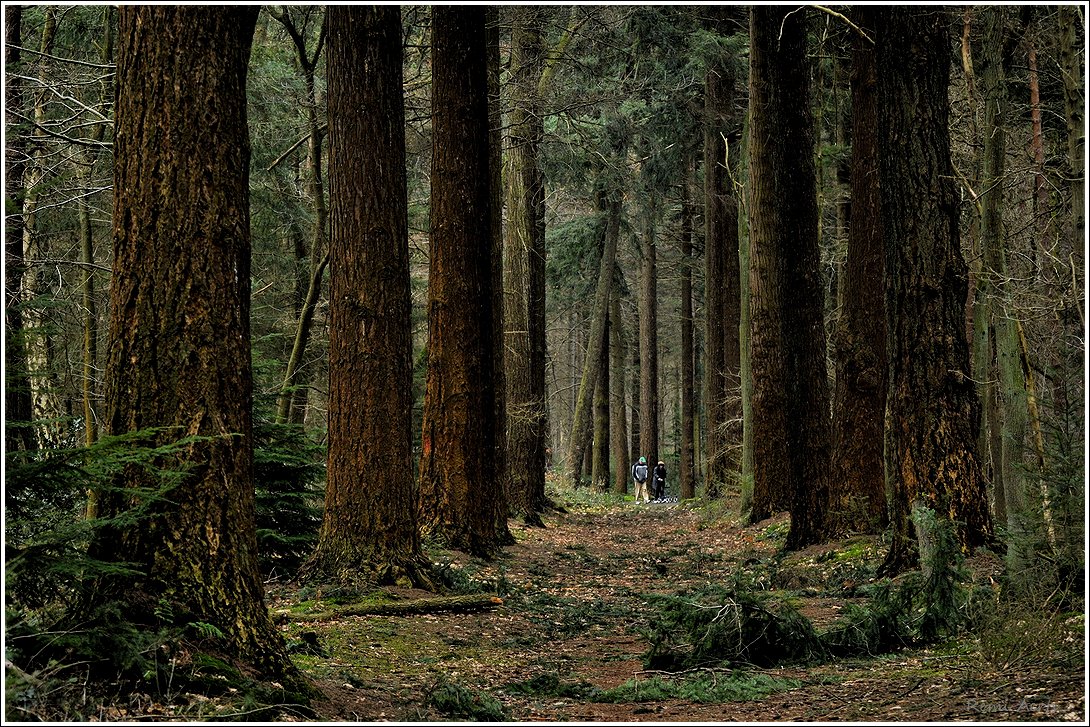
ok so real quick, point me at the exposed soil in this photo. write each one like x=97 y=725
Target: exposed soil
x=575 y=611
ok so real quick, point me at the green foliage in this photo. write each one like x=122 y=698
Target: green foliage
x=47 y=531
x=454 y=700
x=707 y=688
x=550 y=685
x=717 y=624
x=288 y=467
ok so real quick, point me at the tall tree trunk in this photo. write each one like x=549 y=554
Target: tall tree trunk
x=790 y=387
x=495 y=164
x=599 y=464
x=933 y=411
x=18 y=431
x=1074 y=115
x=610 y=208
x=996 y=59
x=857 y=493
x=460 y=497
x=45 y=405
x=649 y=339
x=523 y=261
x=637 y=441
x=369 y=529
x=617 y=429
x=292 y=402
x=180 y=327
x=723 y=432
x=686 y=477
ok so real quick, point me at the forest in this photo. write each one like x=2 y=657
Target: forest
x=338 y=343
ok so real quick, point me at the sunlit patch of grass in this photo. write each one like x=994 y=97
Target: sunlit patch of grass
x=704 y=688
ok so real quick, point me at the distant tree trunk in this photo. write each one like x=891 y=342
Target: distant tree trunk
x=180 y=327
x=459 y=494
x=495 y=163
x=610 y=208
x=45 y=404
x=18 y=431
x=292 y=402
x=1074 y=115
x=686 y=477
x=523 y=265
x=635 y=349
x=649 y=357
x=857 y=497
x=369 y=530
x=933 y=412
x=790 y=387
x=617 y=429
x=723 y=433
x=996 y=57
x=599 y=466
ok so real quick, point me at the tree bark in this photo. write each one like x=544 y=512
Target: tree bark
x=369 y=529
x=599 y=467
x=649 y=339
x=857 y=499
x=723 y=432
x=610 y=208
x=617 y=429
x=523 y=277
x=790 y=388
x=17 y=409
x=460 y=496
x=933 y=412
x=180 y=327
x=686 y=476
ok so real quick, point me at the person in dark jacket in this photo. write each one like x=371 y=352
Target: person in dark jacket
x=658 y=482
x=639 y=478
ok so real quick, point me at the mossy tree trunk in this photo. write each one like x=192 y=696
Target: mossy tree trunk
x=460 y=495
x=686 y=475
x=649 y=336
x=369 y=529
x=180 y=325
x=933 y=411
x=599 y=463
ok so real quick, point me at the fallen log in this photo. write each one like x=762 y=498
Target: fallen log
x=415 y=607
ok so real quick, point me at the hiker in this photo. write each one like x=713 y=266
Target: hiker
x=658 y=482
x=639 y=477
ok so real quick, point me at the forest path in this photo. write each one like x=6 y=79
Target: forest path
x=573 y=623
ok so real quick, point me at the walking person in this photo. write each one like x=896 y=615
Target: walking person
x=658 y=482
x=639 y=477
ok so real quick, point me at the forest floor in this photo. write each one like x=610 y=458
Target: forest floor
x=574 y=625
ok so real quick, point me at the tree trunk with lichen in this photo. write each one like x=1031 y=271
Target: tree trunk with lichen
x=933 y=411
x=180 y=328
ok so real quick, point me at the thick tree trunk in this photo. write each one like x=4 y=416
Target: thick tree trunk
x=460 y=496
x=523 y=263
x=1074 y=113
x=933 y=411
x=857 y=499
x=180 y=326
x=369 y=530
x=790 y=387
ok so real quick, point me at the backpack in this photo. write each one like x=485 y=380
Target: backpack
x=639 y=472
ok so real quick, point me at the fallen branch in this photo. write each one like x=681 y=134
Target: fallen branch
x=415 y=607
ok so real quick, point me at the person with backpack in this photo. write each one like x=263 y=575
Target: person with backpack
x=658 y=482
x=639 y=477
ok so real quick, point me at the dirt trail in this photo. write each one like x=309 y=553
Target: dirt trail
x=574 y=619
